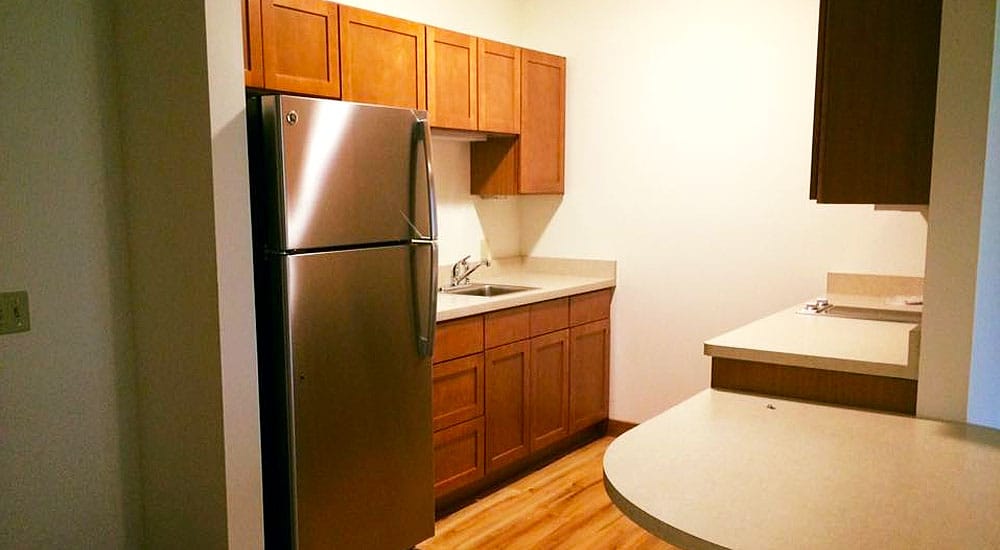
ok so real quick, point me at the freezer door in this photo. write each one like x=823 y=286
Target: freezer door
x=360 y=398
x=349 y=173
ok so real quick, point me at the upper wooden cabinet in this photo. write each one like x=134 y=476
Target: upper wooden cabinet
x=382 y=59
x=876 y=84
x=301 y=48
x=452 y=88
x=499 y=87
x=253 y=47
x=543 y=119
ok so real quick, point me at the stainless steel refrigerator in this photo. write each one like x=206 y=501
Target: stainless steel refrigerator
x=345 y=266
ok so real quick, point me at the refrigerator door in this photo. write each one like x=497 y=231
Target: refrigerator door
x=360 y=399
x=348 y=173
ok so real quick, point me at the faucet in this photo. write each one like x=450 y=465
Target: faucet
x=462 y=269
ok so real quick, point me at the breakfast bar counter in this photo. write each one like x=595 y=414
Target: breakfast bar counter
x=729 y=470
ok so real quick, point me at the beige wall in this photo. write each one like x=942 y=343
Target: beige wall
x=68 y=453
x=960 y=140
x=688 y=137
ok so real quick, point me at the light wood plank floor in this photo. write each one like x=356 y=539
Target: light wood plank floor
x=563 y=505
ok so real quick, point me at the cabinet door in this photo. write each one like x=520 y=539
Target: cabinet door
x=589 y=361
x=451 y=80
x=499 y=87
x=382 y=59
x=507 y=404
x=458 y=456
x=301 y=52
x=543 y=114
x=458 y=389
x=548 y=397
x=253 y=47
x=876 y=86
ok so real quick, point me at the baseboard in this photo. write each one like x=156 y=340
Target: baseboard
x=617 y=427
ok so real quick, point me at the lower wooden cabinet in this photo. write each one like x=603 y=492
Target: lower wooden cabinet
x=548 y=393
x=459 y=455
x=589 y=362
x=507 y=404
x=513 y=384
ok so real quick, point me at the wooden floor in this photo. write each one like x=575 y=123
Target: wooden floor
x=563 y=505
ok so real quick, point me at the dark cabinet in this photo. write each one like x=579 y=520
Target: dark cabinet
x=876 y=85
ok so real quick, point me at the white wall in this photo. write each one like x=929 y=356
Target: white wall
x=960 y=153
x=688 y=136
x=984 y=376
x=68 y=455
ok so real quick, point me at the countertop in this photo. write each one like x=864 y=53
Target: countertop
x=728 y=470
x=551 y=278
x=880 y=348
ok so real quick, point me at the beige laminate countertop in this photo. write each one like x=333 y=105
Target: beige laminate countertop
x=551 y=278
x=726 y=470
x=880 y=348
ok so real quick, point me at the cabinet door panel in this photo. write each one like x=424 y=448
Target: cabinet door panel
x=507 y=437
x=253 y=46
x=588 y=377
x=458 y=456
x=301 y=49
x=876 y=89
x=452 y=85
x=549 y=389
x=382 y=59
x=458 y=391
x=499 y=87
x=543 y=113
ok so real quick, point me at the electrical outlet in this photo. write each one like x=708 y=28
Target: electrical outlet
x=14 y=315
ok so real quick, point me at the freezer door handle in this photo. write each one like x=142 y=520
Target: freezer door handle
x=425 y=272
x=423 y=137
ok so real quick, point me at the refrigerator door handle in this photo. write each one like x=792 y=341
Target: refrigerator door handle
x=425 y=319
x=424 y=137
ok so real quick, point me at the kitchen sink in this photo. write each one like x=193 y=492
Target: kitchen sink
x=485 y=290
x=872 y=314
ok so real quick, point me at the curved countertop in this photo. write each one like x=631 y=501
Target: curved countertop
x=551 y=278
x=880 y=348
x=728 y=470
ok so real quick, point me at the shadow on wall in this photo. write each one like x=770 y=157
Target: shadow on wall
x=536 y=213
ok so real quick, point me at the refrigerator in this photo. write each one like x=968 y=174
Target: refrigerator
x=345 y=274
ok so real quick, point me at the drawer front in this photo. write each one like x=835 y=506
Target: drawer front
x=457 y=338
x=459 y=456
x=458 y=391
x=589 y=307
x=549 y=316
x=507 y=326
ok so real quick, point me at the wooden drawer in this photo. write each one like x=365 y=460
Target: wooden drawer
x=549 y=316
x=459 y=454
x=589 y=307
x=456 y=338
x=458 y=391
x=507 y=326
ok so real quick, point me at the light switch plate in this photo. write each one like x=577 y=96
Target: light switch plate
x=14 y=315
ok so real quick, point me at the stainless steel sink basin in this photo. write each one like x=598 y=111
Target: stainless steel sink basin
x=872 y=314
x=485 y=290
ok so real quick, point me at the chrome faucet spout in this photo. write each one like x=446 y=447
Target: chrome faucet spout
x=462 y=269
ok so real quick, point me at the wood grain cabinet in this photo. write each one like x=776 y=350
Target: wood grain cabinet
x=452 y=80
x=499 y=87
x=512 y=384
x=589 y=363
x=876 y=85
x=548 y=389
x=533 y=162
x=253 y=46
x=382 y=59
x=507 y=438
x=301 y=52
x=543 y=116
